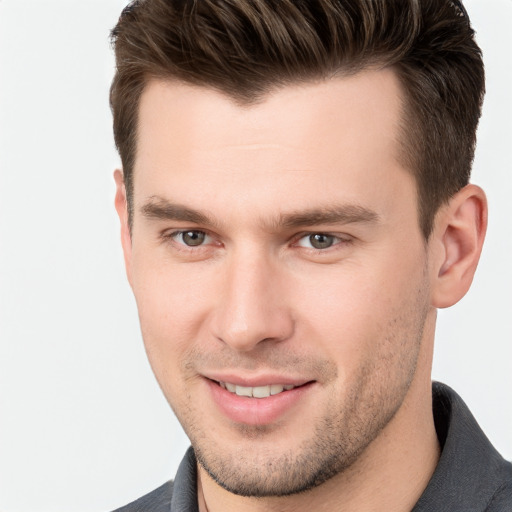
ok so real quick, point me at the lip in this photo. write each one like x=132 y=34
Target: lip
x=257 y=411
x=256 y=380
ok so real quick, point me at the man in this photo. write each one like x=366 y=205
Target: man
x=295 y=206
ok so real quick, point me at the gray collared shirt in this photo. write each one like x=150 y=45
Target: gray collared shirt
x=471 y=475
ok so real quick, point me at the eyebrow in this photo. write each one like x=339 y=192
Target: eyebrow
x=345 y=214
x=162 y=209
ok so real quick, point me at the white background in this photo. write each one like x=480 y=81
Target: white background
x=83 y=426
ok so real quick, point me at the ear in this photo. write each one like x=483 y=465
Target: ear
x=458 y=237
x=122 y=211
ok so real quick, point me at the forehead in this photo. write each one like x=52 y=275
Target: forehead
x=333 y=137
x=346 y=108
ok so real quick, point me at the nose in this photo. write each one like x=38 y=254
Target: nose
x=252 y=306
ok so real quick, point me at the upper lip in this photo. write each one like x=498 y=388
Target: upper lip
x=257 y=380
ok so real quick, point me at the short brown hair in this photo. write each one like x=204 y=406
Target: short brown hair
x=244 y=48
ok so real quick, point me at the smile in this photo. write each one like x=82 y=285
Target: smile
x=261 y=403
x=257 y=391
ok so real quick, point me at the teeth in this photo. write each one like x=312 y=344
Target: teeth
x=261 y=391
x=243 y=391
x=258 y=391
x=276 y=388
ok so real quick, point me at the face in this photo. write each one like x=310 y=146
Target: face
x=280 y=274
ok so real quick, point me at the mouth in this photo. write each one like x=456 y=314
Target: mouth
x=257 y=391
x=260 y=404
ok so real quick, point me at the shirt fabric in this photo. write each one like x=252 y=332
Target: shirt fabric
x=471 y=476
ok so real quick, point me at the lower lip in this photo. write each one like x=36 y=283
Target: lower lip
x=256 y=411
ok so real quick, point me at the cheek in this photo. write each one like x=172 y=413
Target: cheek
x=357 y=309
x=171 y=302
x=344 y=299
x=166 y=291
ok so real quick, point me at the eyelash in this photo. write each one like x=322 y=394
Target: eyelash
x=171 y=237
x=338 y=240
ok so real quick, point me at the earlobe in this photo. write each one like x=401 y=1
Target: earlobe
x=459 y=235
x=121 y=205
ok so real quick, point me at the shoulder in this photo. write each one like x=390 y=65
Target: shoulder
x=158 y=500
x=471 y=476
x=502 y=499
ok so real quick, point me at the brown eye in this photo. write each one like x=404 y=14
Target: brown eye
x=192 y=238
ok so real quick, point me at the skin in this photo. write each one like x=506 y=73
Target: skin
x=356 y=319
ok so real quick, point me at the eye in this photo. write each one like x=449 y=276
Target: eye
x=191 y=238
x=318 y=241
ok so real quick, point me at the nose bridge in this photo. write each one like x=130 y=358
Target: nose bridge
x=251 y=307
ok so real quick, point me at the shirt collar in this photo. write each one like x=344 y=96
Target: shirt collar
x=470 y=470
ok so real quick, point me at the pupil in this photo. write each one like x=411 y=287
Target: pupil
x=193 y=237
x=319 y=241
